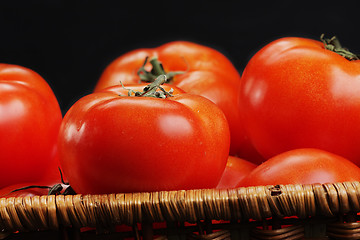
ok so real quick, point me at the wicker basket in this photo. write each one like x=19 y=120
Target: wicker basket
x=318 y=211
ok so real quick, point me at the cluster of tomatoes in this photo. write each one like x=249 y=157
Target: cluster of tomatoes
x=180 y=116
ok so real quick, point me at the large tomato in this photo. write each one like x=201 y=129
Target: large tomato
x=302 y=166
x=30 y=119
x=111 y=142
x=198 y=69
x=297 y=93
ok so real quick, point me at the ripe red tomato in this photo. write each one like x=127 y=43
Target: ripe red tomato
x=236 y=169
x=302 y=166
x=110 y=142
x=52 y=177
x=30 y=119
x=205 y=72
x=295 y=93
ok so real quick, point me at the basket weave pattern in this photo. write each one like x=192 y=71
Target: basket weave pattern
x=264 y=212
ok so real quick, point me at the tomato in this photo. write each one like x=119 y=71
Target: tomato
x=30 y=119
x=302 y=166
x=53 y=172
x=39 y=188
x=110 y=142
x=33 y=189
x=236 y=169
x=295 y=93
x=53 y=178
x=198 y=69
x=14 y=190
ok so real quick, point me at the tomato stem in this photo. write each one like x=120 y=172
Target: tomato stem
x=53 y=190
x=151 y=90
x=333 y=44
x=157 y=70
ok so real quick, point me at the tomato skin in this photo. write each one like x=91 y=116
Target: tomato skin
x=236 y=169
x=110 y=143
x=124 y=90
x=35 y=189
x=30 y=119
x=207 y=73
x=53 y=173
x=6 y=192
x=50 y=178
x=295 y=94
x=302 y=166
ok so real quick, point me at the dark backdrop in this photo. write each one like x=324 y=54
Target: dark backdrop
x=70 y=43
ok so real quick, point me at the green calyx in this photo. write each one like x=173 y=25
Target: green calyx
x=157 y=69
x=333 y=44
x=151 y=90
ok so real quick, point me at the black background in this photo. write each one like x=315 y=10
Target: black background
x=70 y=43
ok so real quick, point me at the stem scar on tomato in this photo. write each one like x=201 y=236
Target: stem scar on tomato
x=151 y=90
x=333 y=44
x=157 y=69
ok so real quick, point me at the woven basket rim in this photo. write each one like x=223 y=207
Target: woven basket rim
x=244 y=204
